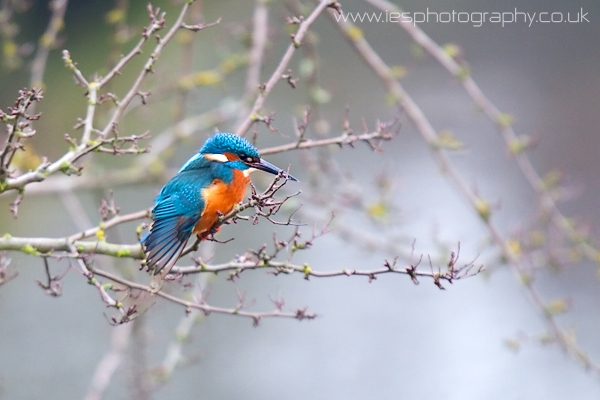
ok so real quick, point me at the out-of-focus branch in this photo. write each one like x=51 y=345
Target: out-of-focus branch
x=260 y=25
x=354 y=35
x=165 y=140
x=186 y=64
x=47 y=42
x=11 y=59
x=88 y=124
x=107 y=179
x=174 y=354
x=109 y=363
x=121 y=31
x=277 y=74
x=260 y=28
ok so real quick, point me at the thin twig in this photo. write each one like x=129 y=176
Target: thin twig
x=343 y=139
x=47 y=41
x=117 y=220
x=276 y=76
x=137 y=49
x=260 y=28
x=285 y=267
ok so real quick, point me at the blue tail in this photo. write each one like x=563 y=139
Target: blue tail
x=166 y=240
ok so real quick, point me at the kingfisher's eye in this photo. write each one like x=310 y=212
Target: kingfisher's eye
x=248 y=159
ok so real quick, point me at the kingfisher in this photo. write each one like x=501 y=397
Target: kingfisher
x=208 y=185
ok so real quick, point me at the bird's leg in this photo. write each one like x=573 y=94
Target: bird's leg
x=210 y=233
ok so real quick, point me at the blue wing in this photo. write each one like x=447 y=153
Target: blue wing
x=176 y=211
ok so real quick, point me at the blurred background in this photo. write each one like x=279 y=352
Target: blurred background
x=480 y=338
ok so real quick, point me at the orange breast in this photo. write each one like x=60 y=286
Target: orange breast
x=220 y=198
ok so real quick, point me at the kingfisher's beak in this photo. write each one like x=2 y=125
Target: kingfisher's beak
x=266 y=166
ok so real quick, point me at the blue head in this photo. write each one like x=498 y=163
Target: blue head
x=235 y=152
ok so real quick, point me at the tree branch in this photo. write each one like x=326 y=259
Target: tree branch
x=451 y=274
x=299 y=314
x=276 y=76
x=47 y=41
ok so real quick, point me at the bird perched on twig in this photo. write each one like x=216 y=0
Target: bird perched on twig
x=208 y=185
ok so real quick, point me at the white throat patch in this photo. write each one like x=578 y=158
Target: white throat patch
x=248 y=171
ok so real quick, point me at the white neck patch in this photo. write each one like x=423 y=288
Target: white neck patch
x=216 y=157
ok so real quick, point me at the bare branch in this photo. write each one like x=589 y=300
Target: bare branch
x=384 y=132
x=260 y=24
x=158 y=22
x=207 y=309
x=285 y=267
x=110 y=362
x=109 y=224
x=62 y=247
x=53 y=286
x=279 y=71
x=47 y=42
